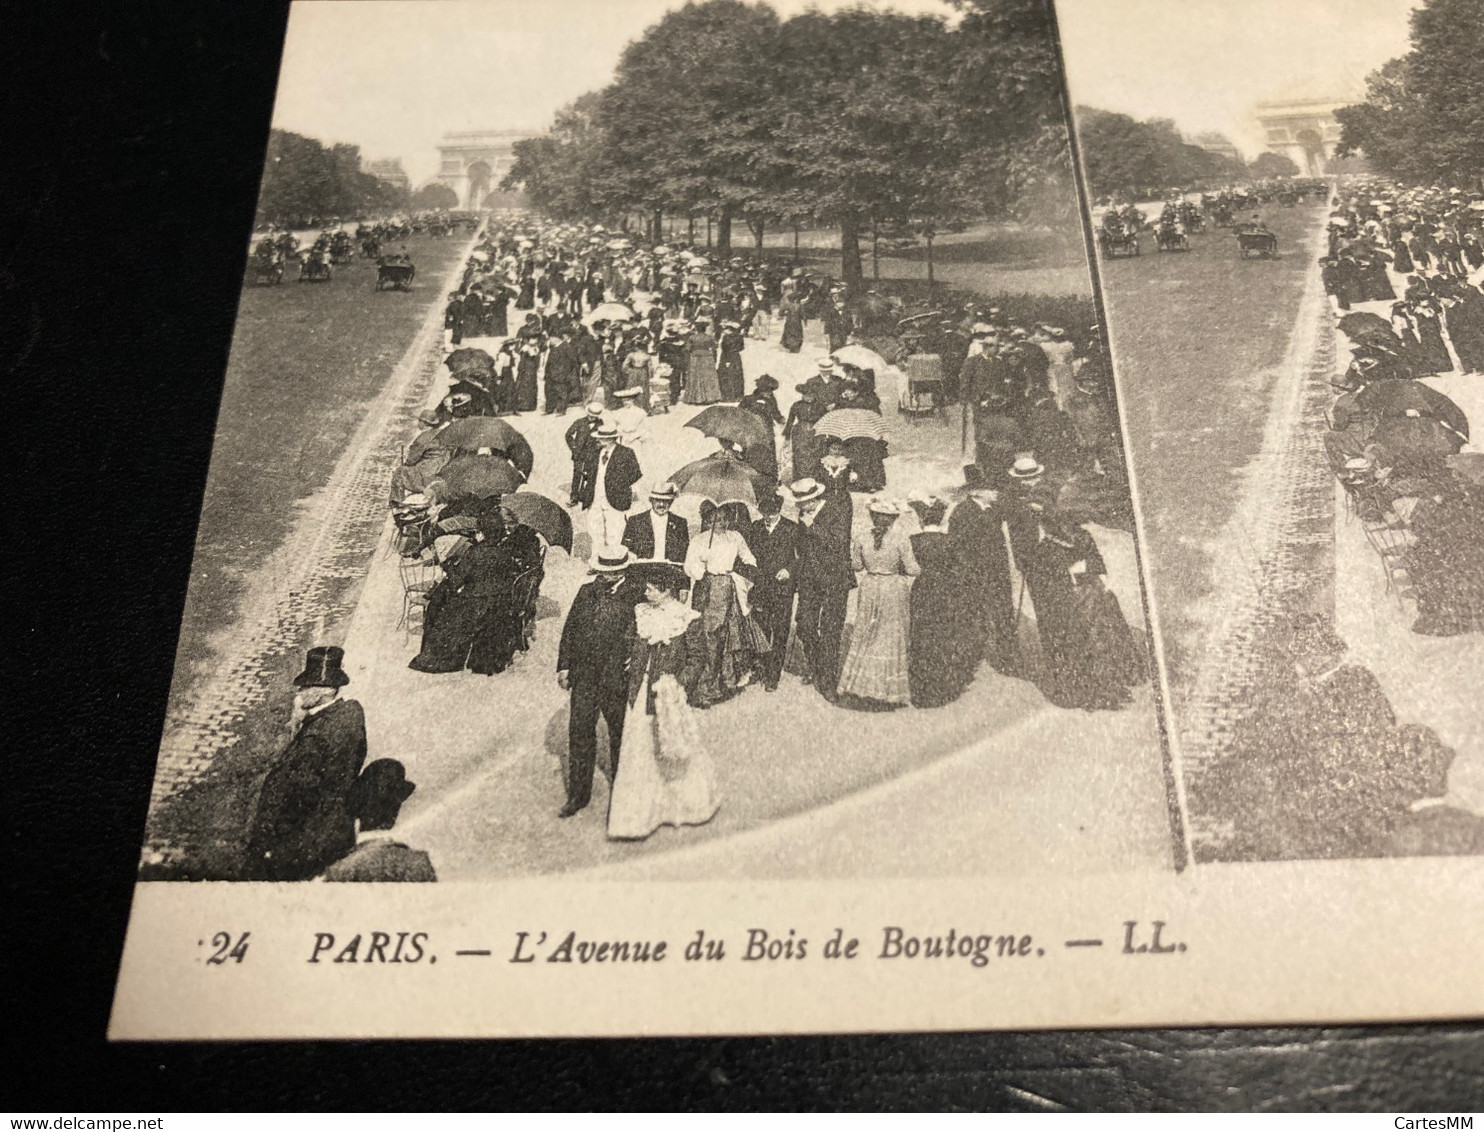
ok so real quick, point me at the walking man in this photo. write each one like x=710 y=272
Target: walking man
x=774 y=541
x=591 y=665
x=825 y=579
x=605 y=485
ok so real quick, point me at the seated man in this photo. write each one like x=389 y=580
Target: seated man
x=376 y=801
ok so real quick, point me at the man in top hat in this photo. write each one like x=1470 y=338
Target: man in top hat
x=658 y=534
x=978 y=524
x=302 y=819
x=579 y=437
x=605 y=484
x=774 y=542
x=825 y=578
x=592 y=665
x=376 y=801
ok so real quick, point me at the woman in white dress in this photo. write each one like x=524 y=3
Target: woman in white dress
x=873 y=675
x=665 y=776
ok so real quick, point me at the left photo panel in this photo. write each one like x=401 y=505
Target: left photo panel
x=665 y=441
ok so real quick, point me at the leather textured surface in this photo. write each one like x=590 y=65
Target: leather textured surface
x=128 y=186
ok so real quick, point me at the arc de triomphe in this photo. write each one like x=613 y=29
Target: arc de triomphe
x=473 y=161
x=1303 y=129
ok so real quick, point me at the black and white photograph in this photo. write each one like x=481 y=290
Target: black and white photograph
x=666 y=441
x=1289 y=217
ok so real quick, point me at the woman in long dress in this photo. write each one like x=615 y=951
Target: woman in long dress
x=470 y=620
x=942 y=651
x=665 y=775
x=874 y=673
x=792 y=313
x=717 y=561
x=701 y=385
x=729 y=371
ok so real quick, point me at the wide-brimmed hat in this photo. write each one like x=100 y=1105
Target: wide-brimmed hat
x=610 y=560
x=631 y=391
x=981 y=329
x=806 y=490
x=664 y=491
x=322 y=668
x=606 y=431
x=1026 y=468
x=766 y=383
x=595 y=408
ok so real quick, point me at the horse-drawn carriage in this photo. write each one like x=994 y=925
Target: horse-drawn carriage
x=315 y=267
x=1192 y=217
x=1114 y=242
x=1254 y=241
x=1170 y=237
x=342 y=247
x=394 y=272
x=266 y=264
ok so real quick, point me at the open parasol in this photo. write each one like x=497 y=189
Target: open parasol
x=543 y=515
x=609 y=312
x=1358 y=323
x=863 y=356
x=1399 y=398
x=721 y=478
x=1416 y=436
x=481 y=476
x=728 y=422
x=850 y=423
x=474 y=433
x=469 y=358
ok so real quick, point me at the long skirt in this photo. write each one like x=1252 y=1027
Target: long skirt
x=701 y=386
x=729 y=377
x=733 y=640
x=665 y=776
x=1434 y=356
x=875 y=667
x=480 y=633
x=944 y=649
x=793 y=332
x=525 y=384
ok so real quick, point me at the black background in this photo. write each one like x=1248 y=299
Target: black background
x=132 y=140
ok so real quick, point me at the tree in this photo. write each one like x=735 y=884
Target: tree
x=306 y=183
x=1423 y=116
x=435 y=196
x=1126 y=157
x=1268 y=165
x=564 y=172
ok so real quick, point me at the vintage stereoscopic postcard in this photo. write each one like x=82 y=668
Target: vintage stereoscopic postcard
x=740 y=517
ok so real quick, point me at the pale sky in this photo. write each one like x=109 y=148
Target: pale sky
x=393 y=76
x=1206 y=63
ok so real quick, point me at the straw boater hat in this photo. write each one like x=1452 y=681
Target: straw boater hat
x=806 y=490
x=595 y=408
x=631 y=391
x=883 y=507
x=606 y=431
x=1026 y=468
x=610 y=560
x=826 y=365
x=664 y=491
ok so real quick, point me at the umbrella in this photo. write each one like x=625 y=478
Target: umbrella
x=468 y=357
x=848 y=423
x=721 y=478
x=481 y=476
x=546 y=517
x=1416 y=436
x=1359 y=322
x=1398 y=398
x=473 y=433
x=728 y=422
x=863 y=356
x=609 y=312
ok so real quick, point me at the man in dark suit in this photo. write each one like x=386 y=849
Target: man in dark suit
x=605 y=485
x=563 y=375
x=659 y=533
x=825 y=579
x=591 y=663
x=978 y=523
x=302 y=819
x=774 y=542
x=579 y=439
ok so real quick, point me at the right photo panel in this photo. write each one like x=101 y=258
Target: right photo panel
x=1288 y=205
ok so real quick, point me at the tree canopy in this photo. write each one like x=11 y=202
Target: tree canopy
x=1126 y=157
x=435 y=195
x=1267 y=165
x=1423 y=116
x=851 y=118
x=304 y=182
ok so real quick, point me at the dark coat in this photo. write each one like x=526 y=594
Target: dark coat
x=382 y=859
x=824 y=549
x=302 y=820
x=618 y=484
x=598 y=635
x=775 y=551
x=638 y=536
x=682 y=657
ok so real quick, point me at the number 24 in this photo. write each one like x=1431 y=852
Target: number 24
x=226 y=949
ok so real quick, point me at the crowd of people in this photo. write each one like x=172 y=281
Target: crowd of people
x=794 y=514
x=1396 y=443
